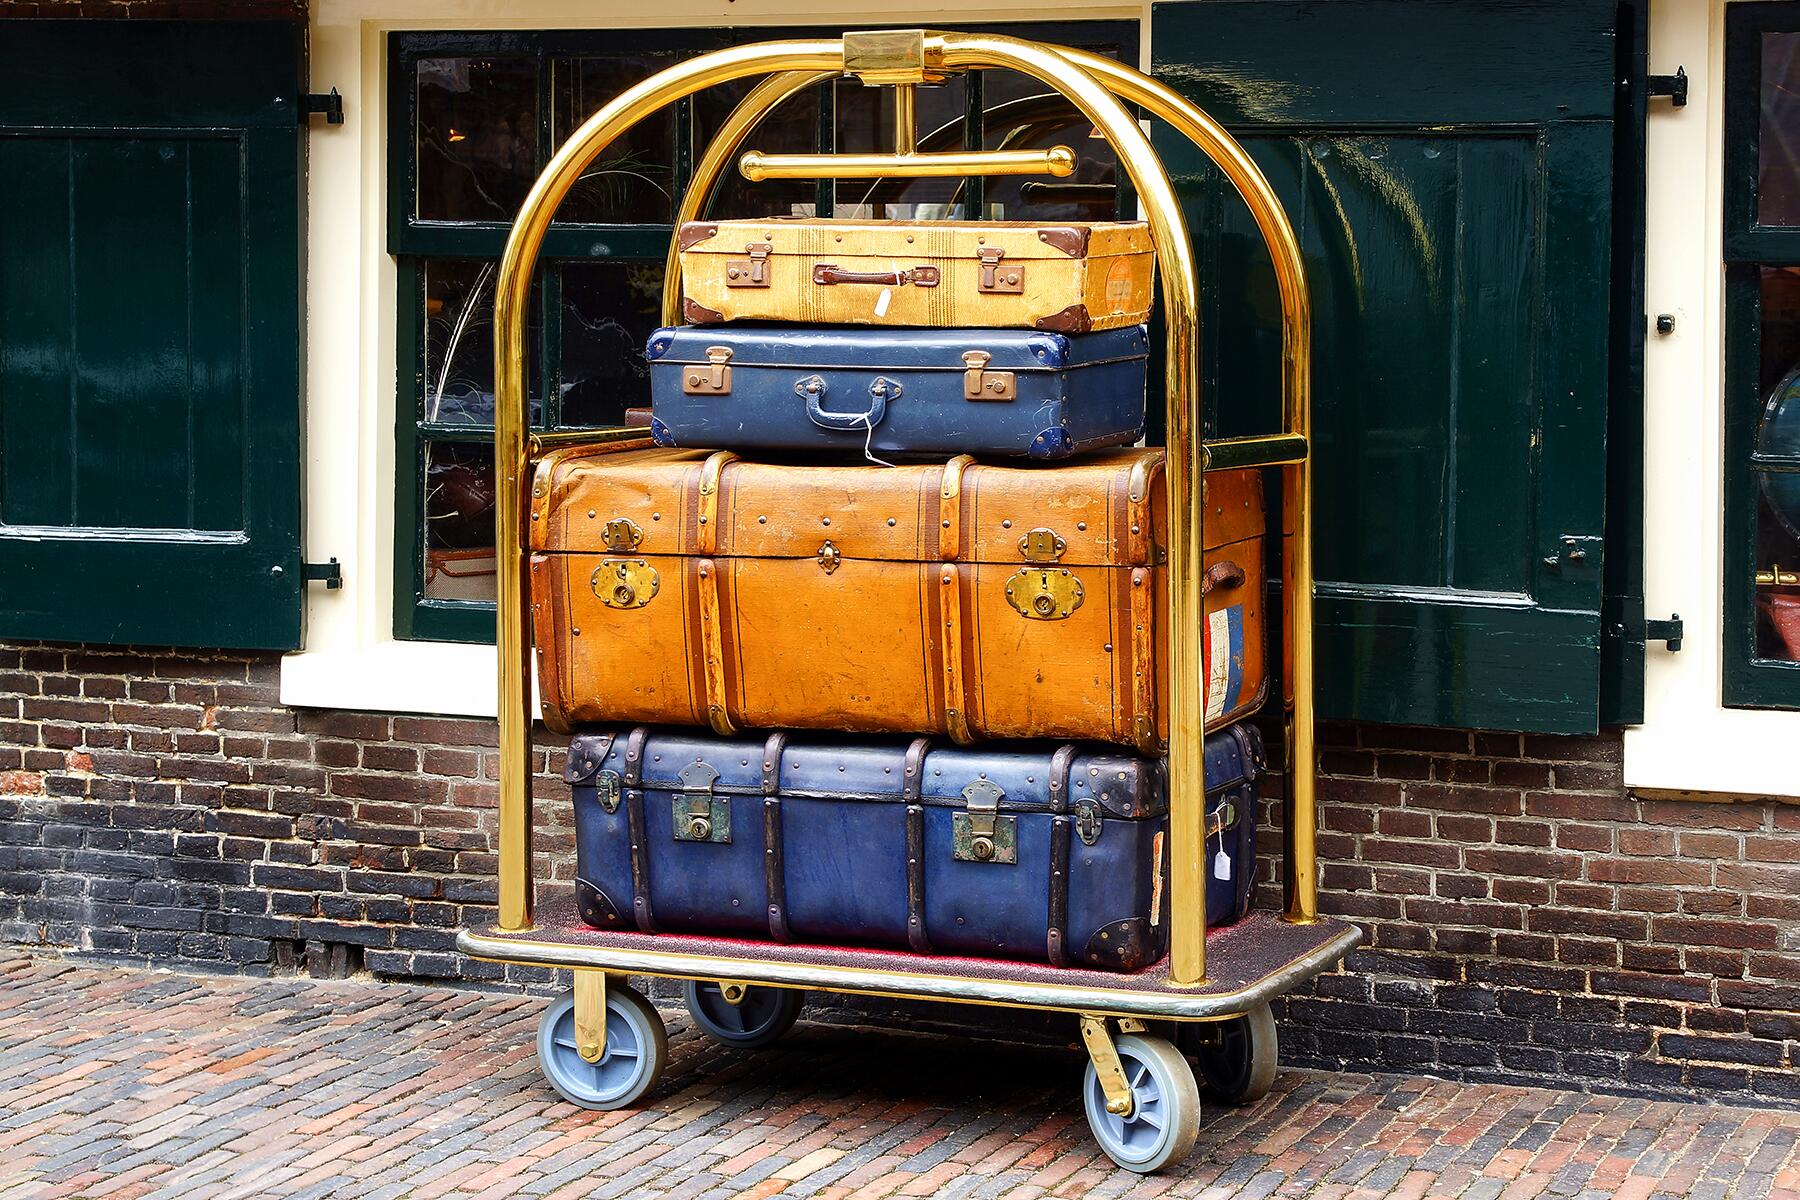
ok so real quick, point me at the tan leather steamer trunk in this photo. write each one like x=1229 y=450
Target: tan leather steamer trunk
x=691 y=588
x=1068 y=278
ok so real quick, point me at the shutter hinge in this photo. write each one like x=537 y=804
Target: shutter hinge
x=1667 y=632
x=331 y=104
x=1675 y=86
x=330 y=573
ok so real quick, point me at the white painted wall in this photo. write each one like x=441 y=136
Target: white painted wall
x=352 y=661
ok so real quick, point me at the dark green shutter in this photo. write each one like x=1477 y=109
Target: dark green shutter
x=1448 y=165
x=150 y=179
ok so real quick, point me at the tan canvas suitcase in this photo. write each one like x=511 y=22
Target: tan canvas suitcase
x=1071 y=278
x=691 y=588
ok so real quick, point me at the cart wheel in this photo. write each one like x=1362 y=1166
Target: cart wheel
x=1237 y=1058
x=762 y=1016
x=637 y=1047
x=1165 y=1114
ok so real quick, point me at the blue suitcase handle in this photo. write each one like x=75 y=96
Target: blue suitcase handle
x=812 y=390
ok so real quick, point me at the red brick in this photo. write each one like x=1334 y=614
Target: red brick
x=21 y=783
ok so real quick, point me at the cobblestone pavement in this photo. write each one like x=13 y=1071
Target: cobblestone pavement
x=127 y=1083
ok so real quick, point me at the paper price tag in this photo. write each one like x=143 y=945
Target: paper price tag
x=1222 y=865
x=882 y=301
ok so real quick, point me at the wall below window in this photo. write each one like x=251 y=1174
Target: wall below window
x=1527 y=918
x=148 y=10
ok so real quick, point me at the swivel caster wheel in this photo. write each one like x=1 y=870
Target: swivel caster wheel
x=759 y=1016
x=637 y=1049
x=1164 y=1117
x=1237 y=1058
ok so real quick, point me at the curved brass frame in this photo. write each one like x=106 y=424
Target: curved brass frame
x=1095 y=86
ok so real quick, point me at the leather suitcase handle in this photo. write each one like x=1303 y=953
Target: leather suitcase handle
x=827 y=274
x=1226 y=574
x=812 y=389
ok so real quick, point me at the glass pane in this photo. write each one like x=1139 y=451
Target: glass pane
x=634 y=181
x=1778 y=182
x=477 y=137
x=459 y=343
x=608 y=312
x=459 y=522
x=1021 y=114
x=791 y=129
x=1778 y=491
x=865 y=125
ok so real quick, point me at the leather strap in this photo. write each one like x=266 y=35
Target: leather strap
x=1062 y=764
x=706 y=528
x=1140 y=537
x=950 y=508
x=956 y=700
x=1144 y=733
x=774 y=873
x=638 y=831
x=916 y=935
x=712 y=650
x=912 y=784
x=1055 y=941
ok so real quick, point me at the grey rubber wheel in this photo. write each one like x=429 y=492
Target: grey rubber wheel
x=1237 y=1058
x=759 y=1019
x=1165 y=1115
x=637 y=1048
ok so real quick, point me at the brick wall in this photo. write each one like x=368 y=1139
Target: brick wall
x=1526 y=917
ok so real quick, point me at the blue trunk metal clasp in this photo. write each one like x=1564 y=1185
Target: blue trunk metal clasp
x=981 y=834
x=701 y=816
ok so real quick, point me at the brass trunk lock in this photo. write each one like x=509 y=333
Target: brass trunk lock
x=979 y=383
x=981 y=834
x=713 y=379
x=1044 y=593
x=752 y=271
x=625 y=582
x=621 y=535
x=997 y=280
x=829 y=557
x=699 y=815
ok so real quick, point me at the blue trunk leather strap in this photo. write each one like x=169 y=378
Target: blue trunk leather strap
x=912 y=786
x=637 y=830
x=1061 y=826
x=774 y=873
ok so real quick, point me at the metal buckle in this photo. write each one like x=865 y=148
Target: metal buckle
x=981 y=834
x=749 y=272
x=979 y=383
x=714 y=379
x=995 y=279
x=1088 y=822
x=699 y=815
x=1042 y=546
x=608 y=786
x=621 y=535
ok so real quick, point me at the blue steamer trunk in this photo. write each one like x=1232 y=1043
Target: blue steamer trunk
x=1042 y=853
x=897 y=391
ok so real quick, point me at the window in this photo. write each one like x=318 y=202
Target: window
x=482 y=113
x=1762 y=373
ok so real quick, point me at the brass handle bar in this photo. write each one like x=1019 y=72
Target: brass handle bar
x=1272 y=450
x=1057 y=160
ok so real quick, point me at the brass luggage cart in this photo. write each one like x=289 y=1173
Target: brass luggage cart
x=603 y=1045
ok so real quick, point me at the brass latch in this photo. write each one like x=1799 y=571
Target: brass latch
x=625 y=582
x=1042 y=546
x=700 y=816
x=829 y=557
x=979 y=383
x=981 y=834
x=1777 y=576
x=1044 y=593
x=621 y=535
x=749 y=272
x=714 y=379
x=995 y=279
x=1087 y=822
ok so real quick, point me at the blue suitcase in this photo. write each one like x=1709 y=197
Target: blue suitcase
x=895 y=392
x=1034 y=852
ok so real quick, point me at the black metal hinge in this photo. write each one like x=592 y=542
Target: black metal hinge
x=1675 y=86
x=332 y=105
x=1667 y=632
x=329 y=573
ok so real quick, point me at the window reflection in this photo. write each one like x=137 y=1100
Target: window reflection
x=608 y=311
x=634 y=180
x=1777 y=470
x=459 y=343
x=459 y=521
x=476 y=137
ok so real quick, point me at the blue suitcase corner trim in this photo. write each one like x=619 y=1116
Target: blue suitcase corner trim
x=1045 y=853
x=659 y=433
x=997 y=392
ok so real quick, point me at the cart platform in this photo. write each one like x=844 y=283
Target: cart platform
x=1248 y=963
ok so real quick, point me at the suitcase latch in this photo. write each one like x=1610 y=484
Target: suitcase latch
x=1040 y=546
x=979 y=383
x=997 y=280
x=749 y=272
x=713 y=379
x=607 y=788
x=981 y=834
x=829 y=557
x=1087 y=822
x=1044 y=593
x=625 y=582
x=621 y=534
x=701 y=816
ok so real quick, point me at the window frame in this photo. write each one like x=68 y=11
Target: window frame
x=411 y=241
x=1747 y=681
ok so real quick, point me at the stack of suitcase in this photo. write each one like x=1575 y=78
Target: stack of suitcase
x=798 y=679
